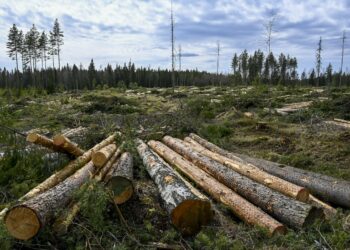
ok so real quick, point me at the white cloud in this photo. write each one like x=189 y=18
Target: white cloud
x=117 y=31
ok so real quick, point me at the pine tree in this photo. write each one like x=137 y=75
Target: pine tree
x=58 y=37
x=43 y=47
x=12 y=44
x=52 y=48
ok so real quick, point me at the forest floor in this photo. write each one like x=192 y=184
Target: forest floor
x=301 y=139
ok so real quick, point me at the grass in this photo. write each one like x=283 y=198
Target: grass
x=300 y=140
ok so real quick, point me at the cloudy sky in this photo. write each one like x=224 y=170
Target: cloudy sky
x=118 y=31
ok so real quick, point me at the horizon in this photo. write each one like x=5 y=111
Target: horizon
x=112 y=32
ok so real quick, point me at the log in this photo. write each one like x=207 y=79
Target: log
x=67 y=170
x=24 y=221
x=119 y=180
x=65 y=219
x=328 y=210
x=62 y=223
x=43 y=141
x=67 y=145
x=254 y=173
x=239 y=206
x=188 y=212
x=101 y=157
x=341 y=120
x=325 y=187
x=103 y=171
x=287 y=210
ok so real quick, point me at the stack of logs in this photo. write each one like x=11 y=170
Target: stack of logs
x=105 y=162
x=259 y=192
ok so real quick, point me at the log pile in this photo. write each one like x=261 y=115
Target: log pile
x=39 y=206
x=260 y=192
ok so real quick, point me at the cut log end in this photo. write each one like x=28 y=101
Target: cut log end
x=303 y=195
x=32 y=137
x=122 y=189
x=190 y=215
x=22 y=222
x=99 y=159
x=315 y=213
x=59 y=140
x=279 y=230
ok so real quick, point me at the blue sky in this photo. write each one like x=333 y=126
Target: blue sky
x=118 y=31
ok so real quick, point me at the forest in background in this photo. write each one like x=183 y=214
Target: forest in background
x=33 y=51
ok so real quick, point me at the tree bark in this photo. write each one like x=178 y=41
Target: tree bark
x=188 y=212
x=103 y=171
x=289 y=211
x=254 y=173
x=24 y=221
x=67 y=145
x=67 y=170
x=240 y=207
x=101 y=157
x=119 y=180
x=325 y=187
x=43 y=141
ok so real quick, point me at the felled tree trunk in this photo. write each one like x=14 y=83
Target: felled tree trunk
x=101 y=157
x=328 y=188
x=43 y=141
x=66 y=218
x=240 y=207
x=67 y=170
x=68 y=146
x=120 y=179
x=292 y=212
x=24 y=221
x=254 y=173
x=188 y=212
x=103 y=171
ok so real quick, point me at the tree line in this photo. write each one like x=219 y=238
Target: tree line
x=32 y=51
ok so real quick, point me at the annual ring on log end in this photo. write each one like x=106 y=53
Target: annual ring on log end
x=32 y=137
x=191 y=215
x=22 y=223
x=59 y=140
x=303 y=195
x=99 y=159
x=314 y=214
x=122 y=189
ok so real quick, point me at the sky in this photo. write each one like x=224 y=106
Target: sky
x=112 y=31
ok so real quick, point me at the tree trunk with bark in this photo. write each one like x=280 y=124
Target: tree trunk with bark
x=67 y=145
x=43 y=141
x=328 y=188
x=101 y=157
x=24 y=221
x=188 y=212
x=240 y=207
x=119 y=180
x=67 y=170
x=289 y=211
x=103 y=171
x=254 y=173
